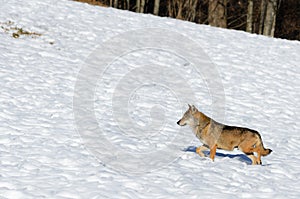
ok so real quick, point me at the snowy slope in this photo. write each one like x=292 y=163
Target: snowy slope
x=50 y=146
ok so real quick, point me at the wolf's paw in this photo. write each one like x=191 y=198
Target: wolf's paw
x=256 y=162
x=201 y=154
x=259 y=162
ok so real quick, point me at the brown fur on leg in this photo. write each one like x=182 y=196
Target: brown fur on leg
x=200 y=150
x=213 y=151
x=258 y=156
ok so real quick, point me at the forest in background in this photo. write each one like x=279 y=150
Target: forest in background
x=274 y=18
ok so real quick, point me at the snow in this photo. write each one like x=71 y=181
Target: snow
x=71 y=129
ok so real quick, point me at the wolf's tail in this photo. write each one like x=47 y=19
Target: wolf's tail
x=263 y=150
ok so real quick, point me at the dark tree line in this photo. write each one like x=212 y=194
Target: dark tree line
x=274 y=18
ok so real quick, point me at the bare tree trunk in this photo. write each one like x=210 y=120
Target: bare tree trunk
x=138 y=6
x=111 y=3
x=180 y=7
x=190 y=10
x=276 y=6
x=250 y=16
x=217 y=13
x=156 y=7
x=175 y=8
x=115 y=3
x=270 y=20
x=128 y=4
x=170 y=8
x=263 y=7
x=194 y=10
x=142 y=6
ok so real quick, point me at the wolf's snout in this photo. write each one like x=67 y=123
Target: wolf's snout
x=178 y=122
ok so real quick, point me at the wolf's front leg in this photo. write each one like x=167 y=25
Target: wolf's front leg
x=200 y=150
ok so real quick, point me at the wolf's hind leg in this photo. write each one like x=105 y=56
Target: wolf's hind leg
x=258 y=157
x=200 y=150
x=213 y=151
x=248 y=149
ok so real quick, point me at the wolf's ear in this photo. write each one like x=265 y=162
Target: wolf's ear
x=189 y=106
x=193 y=109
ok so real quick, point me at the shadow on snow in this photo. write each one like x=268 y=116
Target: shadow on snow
x=241 y=157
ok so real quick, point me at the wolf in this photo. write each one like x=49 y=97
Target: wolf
x=215 y=136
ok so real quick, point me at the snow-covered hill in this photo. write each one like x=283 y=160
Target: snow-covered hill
x=90 y=97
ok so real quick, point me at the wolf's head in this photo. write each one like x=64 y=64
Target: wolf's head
x=188 y=117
